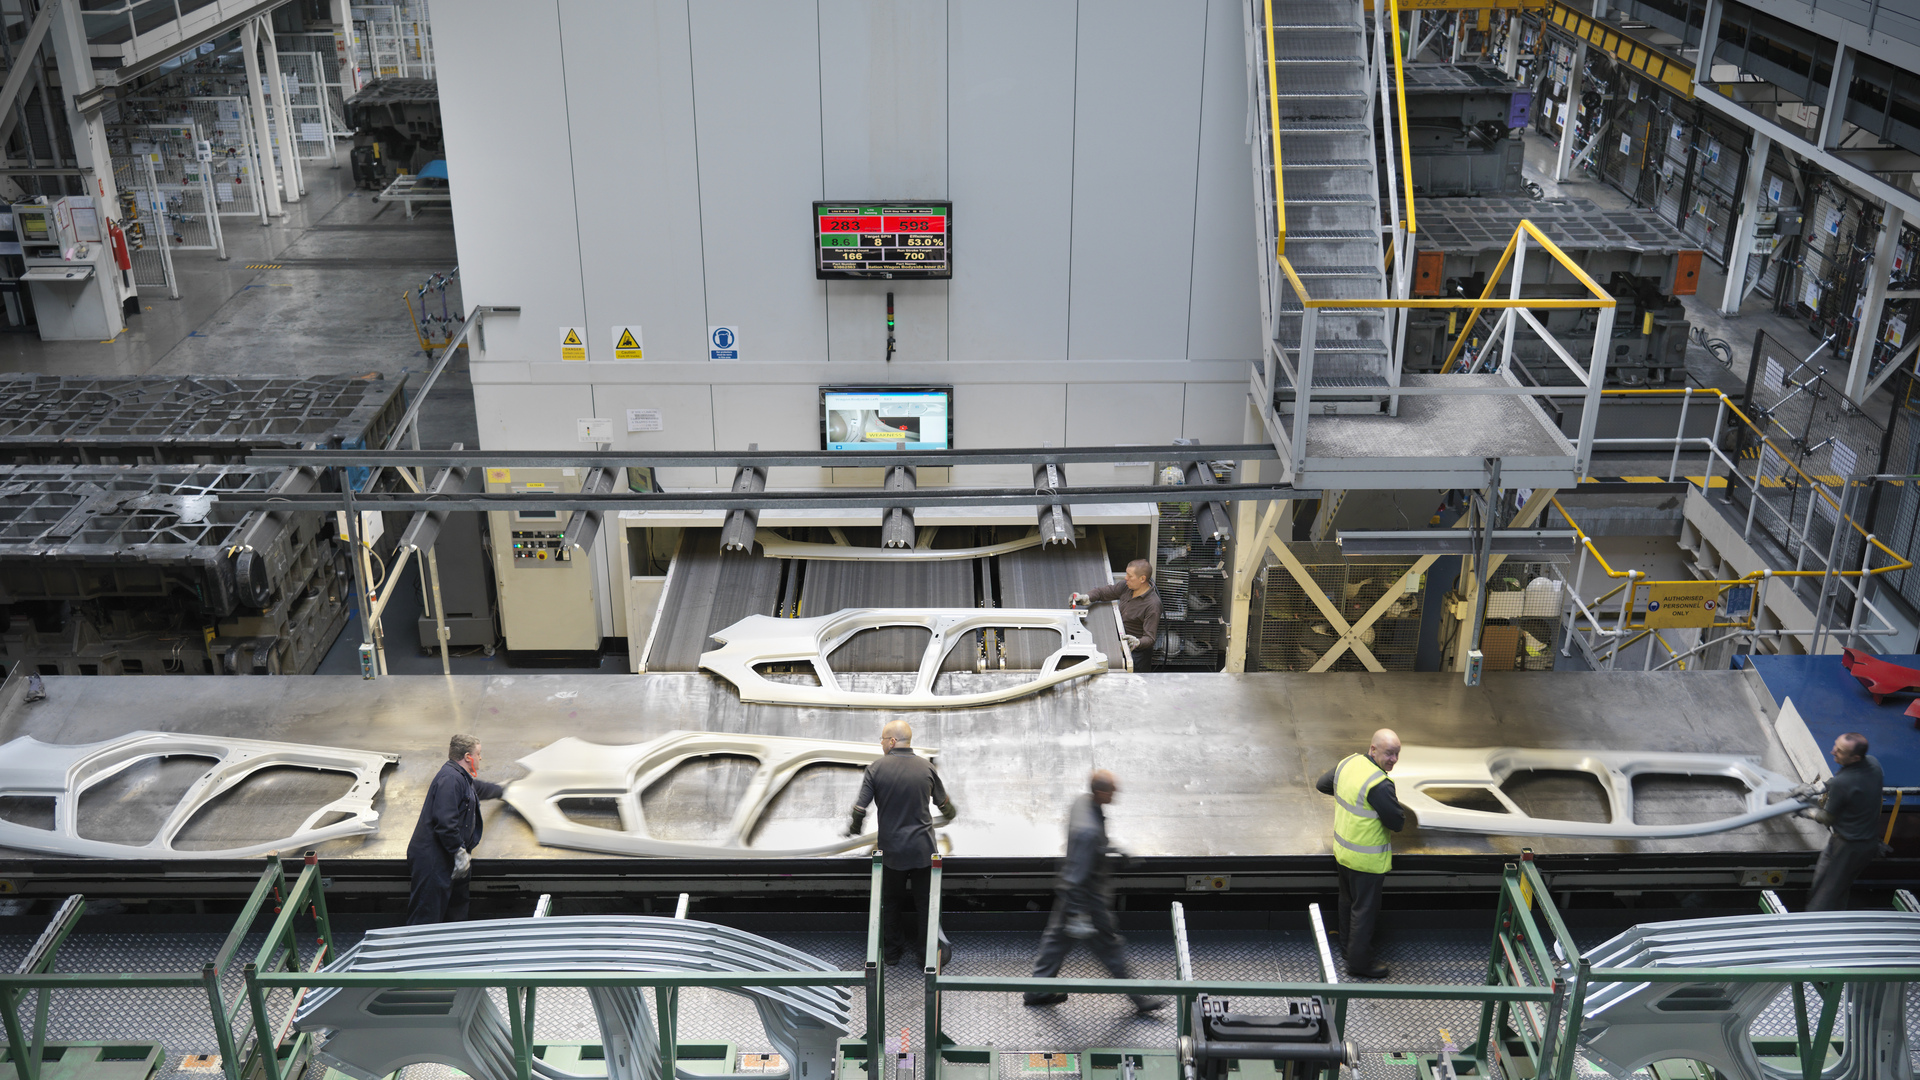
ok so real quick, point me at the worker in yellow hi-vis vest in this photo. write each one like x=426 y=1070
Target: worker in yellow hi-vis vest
x=1365 y=810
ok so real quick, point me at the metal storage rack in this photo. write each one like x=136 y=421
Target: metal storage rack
x=1190 y=574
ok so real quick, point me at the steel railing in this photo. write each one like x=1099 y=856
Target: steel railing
x=1514 y=311
x=1601 y=645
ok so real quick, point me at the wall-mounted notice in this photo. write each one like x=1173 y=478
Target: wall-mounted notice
x=723 y=343
x=1626 y=144
x=645 y=420
x=573 y=343
x=1775 y=187
x=1774 y=377
x=626 y=342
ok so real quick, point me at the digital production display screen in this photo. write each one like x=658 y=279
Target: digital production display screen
x=896 y=240
x=886 y=417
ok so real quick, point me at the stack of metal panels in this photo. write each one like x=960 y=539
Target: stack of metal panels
x=1629 y=1025
x=376 y=1030
x=709 y=590
x=119 y=569
x=47 y=419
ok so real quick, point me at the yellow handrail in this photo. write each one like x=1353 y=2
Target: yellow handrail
x=1601 y=298
x=1400 y=81
x=1279 y=175
x=1814 y=485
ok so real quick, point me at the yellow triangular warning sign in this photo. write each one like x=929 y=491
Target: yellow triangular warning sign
x=573 y=338
x=626 y=340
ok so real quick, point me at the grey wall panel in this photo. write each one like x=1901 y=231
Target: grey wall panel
x=514 y=417
x=636 y=166
x=883 y=100
x=1123 y=412
x=1224 y=315
x=857 y=320
x=1136 y=138
x=756 y=78
x=1011 y=176
x=778 y=416
x=686 y=423
x=537 y=269
x=1214 y=412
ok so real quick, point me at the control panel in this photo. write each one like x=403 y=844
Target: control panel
x=533 y=547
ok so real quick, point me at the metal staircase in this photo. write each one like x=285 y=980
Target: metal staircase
x=1328 y=200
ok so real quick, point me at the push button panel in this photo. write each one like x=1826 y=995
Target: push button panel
x=535 y=547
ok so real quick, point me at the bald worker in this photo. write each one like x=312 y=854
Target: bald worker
x=1083 y=896
x=903 y=784
x=1365 y=810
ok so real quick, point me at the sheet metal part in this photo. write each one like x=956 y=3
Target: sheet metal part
x=1424 y=770
x=30 y=768
x=373 y=1031
x=758 y=640
x=575 y=769
x=1627 y=1026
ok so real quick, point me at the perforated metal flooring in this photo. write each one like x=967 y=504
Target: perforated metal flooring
x=178 y=1019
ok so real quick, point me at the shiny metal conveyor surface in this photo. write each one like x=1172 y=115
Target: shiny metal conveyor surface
x=1213 y=766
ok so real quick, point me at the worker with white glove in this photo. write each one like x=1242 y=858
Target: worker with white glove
x=440 y=855
x=1139 y=610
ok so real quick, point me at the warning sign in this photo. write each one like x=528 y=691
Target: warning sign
x=573 y=343
x=1682 y=603
x=499 y=476
x=626 y=343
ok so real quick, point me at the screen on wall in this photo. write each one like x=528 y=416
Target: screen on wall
x=886 y=417
x=883 y=240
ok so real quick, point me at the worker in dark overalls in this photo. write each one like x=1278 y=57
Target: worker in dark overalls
x=1139 y=604
x=440 y=855
x=903 y=784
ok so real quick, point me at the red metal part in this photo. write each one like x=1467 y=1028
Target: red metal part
x=1880 y=678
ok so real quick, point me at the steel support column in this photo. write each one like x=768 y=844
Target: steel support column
x=1744 y=225
x=1866 y=333
x=283 y=112
x=1576 y=85
x=256 y=92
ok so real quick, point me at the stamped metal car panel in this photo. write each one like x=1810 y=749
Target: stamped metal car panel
x=372 y=1031
x=30 y=768
x=762 y=639
x=1425 y=769
x=574 y=769
x=1627 y=1026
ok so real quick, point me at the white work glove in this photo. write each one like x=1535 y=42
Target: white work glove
x=462 y=865
x=1130 y=641
x=1079 y=927
x=1079 y=599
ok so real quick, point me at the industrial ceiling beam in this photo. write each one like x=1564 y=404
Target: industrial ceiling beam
x=1533 y=544
x=862 y=499
x=838 y=459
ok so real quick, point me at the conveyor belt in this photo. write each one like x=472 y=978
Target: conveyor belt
x=1212 y=765
x=1044 y=578
x=708 y=591
x=830 y=586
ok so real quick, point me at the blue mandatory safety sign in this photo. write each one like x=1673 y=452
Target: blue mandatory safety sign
x=1653 y=605
x=723 y=343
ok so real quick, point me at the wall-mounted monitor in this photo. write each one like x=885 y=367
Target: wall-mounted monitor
x=883 y=240
x=886 y=417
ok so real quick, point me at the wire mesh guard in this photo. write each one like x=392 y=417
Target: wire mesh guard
x=1290 y=631
x=1525 y=602
x=1190 y=574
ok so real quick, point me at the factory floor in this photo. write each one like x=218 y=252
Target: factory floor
x=1382 y=1031
x=333 y=306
